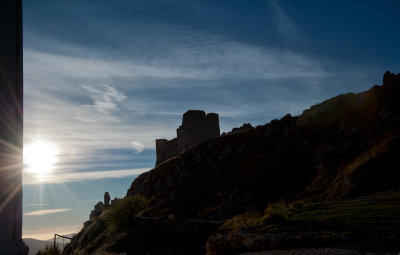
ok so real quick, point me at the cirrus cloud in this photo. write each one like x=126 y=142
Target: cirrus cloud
x=45 y=212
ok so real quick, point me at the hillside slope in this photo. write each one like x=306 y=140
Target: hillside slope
x=343 y=148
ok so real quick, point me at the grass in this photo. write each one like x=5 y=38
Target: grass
x=121 y=213
x=238 y=221
x=374 y=217
x=278 y=212
x=374 y=214
x=343 y=182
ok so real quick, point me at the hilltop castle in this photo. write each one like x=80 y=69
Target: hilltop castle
x=196 y=127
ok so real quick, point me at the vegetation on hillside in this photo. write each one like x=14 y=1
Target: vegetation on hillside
x=369 y=222
x=377 y=214
x=121 y=213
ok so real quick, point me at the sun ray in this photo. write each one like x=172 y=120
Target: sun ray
x=13 y=147
x=71 y=195
x=12 y=192
x=16 y=167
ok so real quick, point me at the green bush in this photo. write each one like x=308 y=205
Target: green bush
x=121 y=213
x=278 y=212
x=240 y=220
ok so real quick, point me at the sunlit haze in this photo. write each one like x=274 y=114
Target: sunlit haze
x=40 y=157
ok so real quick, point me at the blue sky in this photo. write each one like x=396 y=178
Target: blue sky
x=104 y=79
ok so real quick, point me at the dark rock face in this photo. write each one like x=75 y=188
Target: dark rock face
x=144 y=235
x=196 y=127
x=243 y=127
x=390 y=78
x=100 y=206
x=98 y=210
x=115 y=200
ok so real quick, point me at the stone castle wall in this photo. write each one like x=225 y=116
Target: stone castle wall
x=196 y=127
x=166 y=149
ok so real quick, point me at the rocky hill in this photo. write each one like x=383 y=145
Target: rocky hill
x=342 y=149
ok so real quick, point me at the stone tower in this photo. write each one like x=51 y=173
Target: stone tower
x=197 y=127
x=11 y=128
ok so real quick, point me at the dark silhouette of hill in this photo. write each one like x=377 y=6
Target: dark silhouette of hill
x=344 y=148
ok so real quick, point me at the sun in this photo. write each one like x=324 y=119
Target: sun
x=40 y=157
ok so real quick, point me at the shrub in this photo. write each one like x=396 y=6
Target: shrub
x=239 y=221
x=122 y=212
x=278 y=212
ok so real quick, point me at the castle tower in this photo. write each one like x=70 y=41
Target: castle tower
x=197 y=127
x=193 y=129
x=213 y=125
x=11 y=128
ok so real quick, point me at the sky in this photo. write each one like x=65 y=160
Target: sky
x=104 y=79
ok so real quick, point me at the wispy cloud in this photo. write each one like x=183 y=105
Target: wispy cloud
x=48 y=232
x=63 y=177
x=105 y=98
x=218 y=60
x=137 y=146
x=45 y=212
x=284 y=24
x=65 y=66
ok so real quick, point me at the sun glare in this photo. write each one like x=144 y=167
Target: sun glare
x=40 y=157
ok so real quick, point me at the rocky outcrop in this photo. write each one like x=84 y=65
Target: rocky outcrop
x=390 y=78
x=243 y=127
x=100 y=206
x=115 y=200
x=196 y=127
x=98 y=210
x=106 y=199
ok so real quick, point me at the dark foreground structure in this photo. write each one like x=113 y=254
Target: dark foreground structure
x=11 y=128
